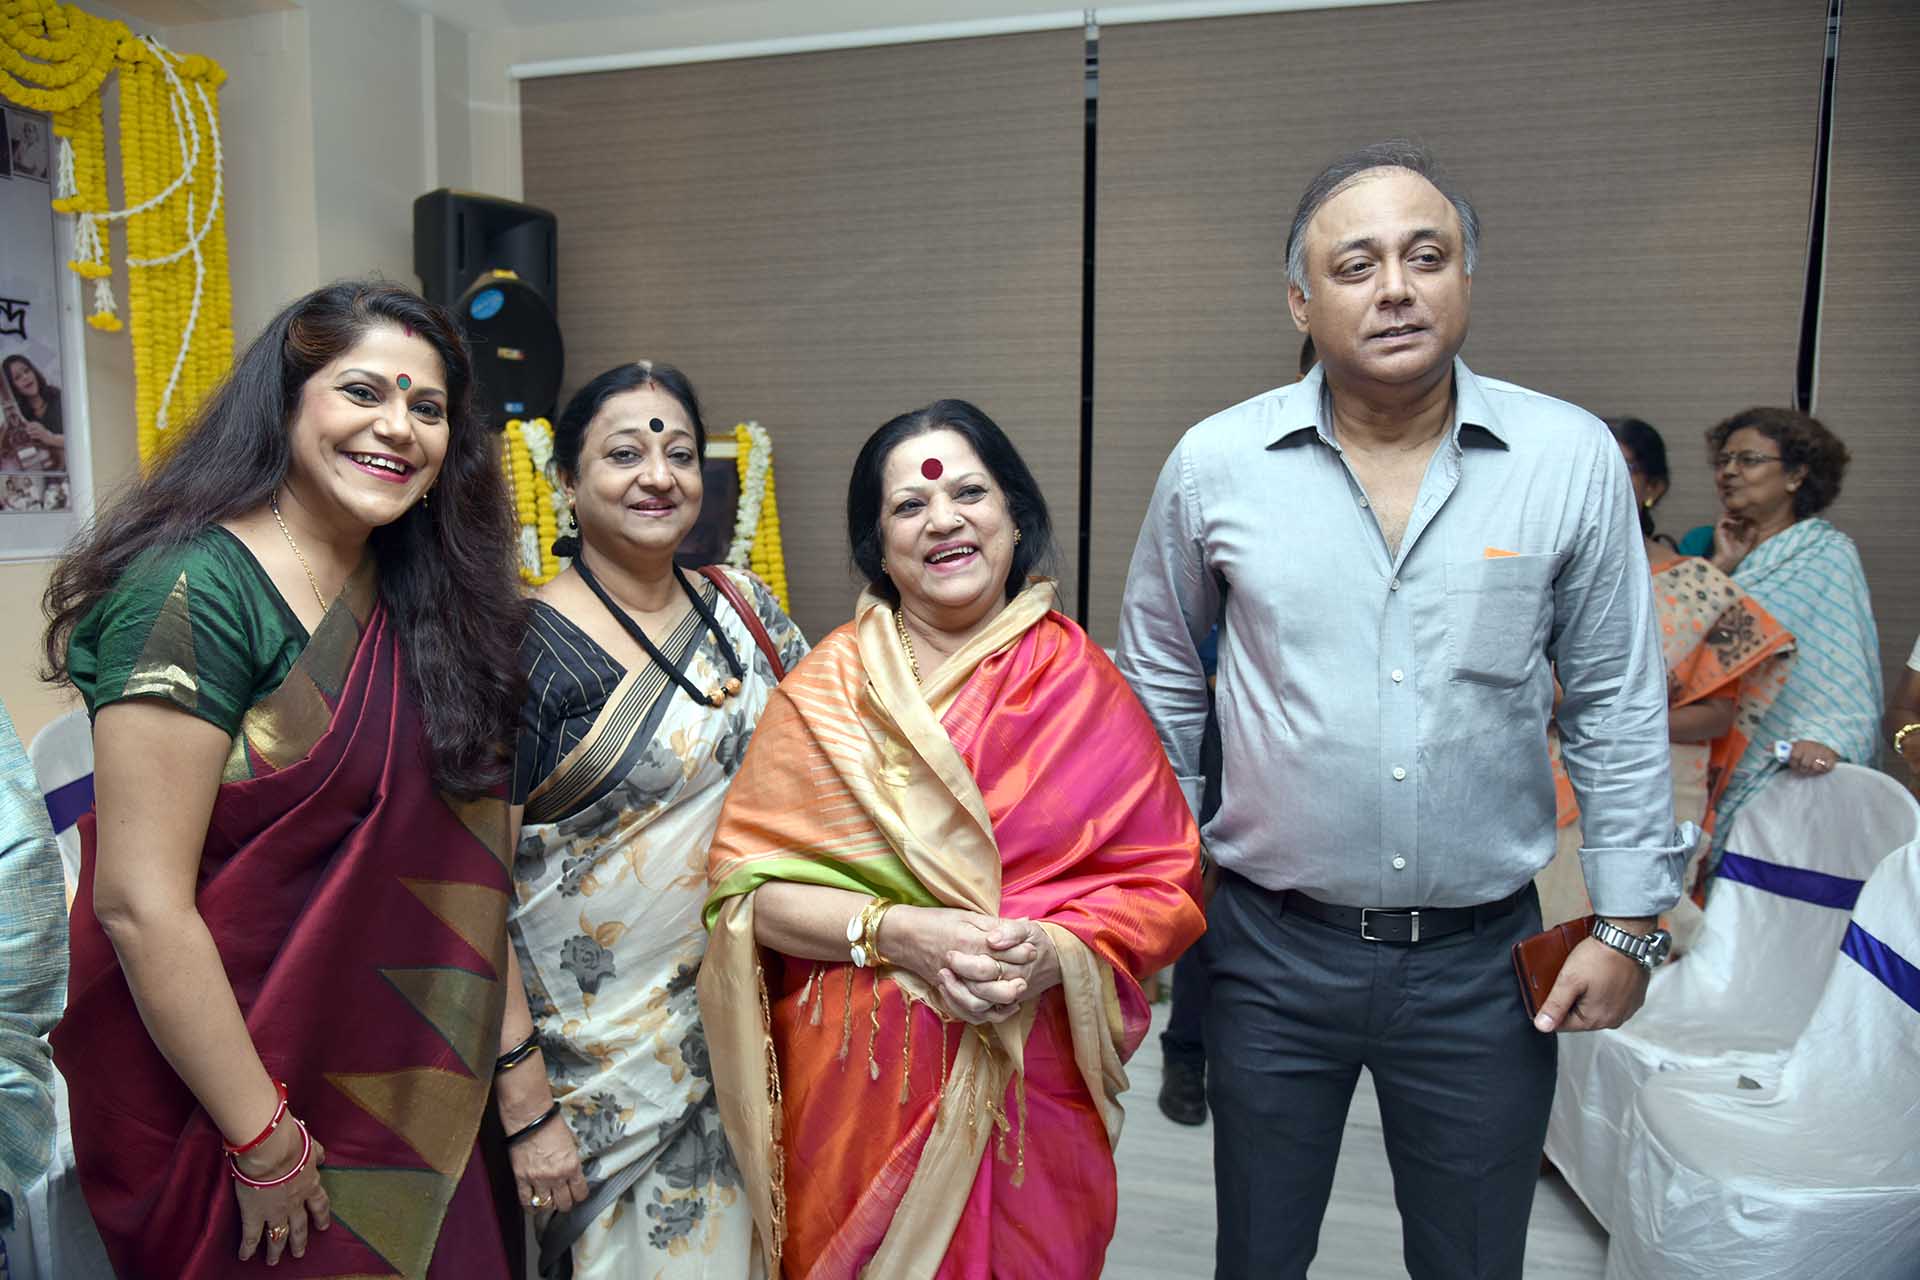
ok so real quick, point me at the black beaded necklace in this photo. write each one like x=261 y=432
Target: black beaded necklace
x=713 y=697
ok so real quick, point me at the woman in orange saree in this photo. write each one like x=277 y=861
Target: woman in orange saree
x=1727 y=659
x=950 y=856
x=289 y=946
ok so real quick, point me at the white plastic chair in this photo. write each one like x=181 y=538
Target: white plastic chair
x=1814 y=1178
x=62 y=756
x=1797 y=854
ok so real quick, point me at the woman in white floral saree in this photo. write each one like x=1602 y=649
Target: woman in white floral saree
x=644 y=683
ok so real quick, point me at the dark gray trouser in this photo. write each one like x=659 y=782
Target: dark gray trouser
x=1464 y=1082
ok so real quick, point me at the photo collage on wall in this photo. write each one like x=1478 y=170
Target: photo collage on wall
x=34 y=477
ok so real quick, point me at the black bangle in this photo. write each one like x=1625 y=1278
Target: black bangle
x=518 y=1054
x=552 y=1111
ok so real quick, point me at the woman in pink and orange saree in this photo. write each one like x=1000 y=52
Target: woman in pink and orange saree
x=953 y=851
x=296 y=637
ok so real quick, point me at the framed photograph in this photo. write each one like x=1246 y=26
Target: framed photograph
x=45 y=477
x=29 y=146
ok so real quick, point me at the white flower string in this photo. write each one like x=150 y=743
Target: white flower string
x=753 y=494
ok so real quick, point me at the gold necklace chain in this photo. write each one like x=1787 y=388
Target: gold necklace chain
x=906 y=642
x=273 y=504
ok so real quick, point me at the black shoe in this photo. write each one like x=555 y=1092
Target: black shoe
x=1183 y=1091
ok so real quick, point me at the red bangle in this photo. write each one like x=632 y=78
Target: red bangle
x=279 y=1114
x=306 y=1149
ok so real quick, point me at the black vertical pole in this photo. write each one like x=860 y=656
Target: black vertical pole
x=1085 y=514
x=1807 y=365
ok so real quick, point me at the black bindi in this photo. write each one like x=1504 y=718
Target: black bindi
x=656 y=425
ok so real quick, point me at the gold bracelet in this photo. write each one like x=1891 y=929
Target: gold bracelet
x=862 y=932
x=1900 y=737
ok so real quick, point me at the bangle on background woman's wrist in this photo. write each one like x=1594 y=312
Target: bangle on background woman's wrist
x=545 y=1116
x=518 y=1054
x=1900 y=736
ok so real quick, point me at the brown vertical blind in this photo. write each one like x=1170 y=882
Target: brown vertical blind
x=825 y=240
x=1869 y=373
x=1643 y=170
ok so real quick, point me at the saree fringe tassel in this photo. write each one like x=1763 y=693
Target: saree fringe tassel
x=777 y=1100
x=873 y=1016
x=846 y=1019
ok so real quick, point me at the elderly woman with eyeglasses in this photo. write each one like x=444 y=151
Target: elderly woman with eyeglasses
x=1776 y=471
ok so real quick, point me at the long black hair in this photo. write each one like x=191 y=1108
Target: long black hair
x=1649 y=451
x=1025 y=503
x=445 y=566
x=570 y=433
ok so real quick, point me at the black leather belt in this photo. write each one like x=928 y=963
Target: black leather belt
x=1399 y=924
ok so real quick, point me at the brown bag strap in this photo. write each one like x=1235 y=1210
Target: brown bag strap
x=718 y=577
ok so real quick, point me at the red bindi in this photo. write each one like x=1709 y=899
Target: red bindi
x=931 y=468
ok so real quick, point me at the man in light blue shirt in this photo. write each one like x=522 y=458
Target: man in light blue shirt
x=1408 y=554
x=33 y=971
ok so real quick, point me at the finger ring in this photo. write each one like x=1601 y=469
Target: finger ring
x=1001 y=966
x=536 y=1201
x=278 y=1233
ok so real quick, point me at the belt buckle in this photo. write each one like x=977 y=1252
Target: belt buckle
x=1367 y=911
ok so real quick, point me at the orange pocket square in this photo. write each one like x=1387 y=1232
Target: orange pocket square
x=1495 y=553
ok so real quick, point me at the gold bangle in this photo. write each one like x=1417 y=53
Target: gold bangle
x=876 y=913
x=1900 y=737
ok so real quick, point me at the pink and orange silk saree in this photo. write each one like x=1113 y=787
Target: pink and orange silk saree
x=877 y=1135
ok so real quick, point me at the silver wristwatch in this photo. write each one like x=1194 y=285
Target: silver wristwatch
x=1647 y=949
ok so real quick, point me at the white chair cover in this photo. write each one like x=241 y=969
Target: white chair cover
x=1797 y=854
x=53 y=1236
x=62 y=756
x=1813 y=1178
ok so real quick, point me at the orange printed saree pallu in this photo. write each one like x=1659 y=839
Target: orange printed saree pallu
x=877 y=1135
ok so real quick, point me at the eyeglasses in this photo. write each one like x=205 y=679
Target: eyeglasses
x=1746 y=461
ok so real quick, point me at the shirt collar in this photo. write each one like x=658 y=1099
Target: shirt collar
x=1301 y=412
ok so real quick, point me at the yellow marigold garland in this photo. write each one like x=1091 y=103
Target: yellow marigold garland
x=180 y=294
x=55 y=58
x=534 y=506
x=52 y=58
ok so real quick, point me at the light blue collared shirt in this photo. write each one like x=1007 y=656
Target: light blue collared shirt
x=1384 y=716
x=33 y=970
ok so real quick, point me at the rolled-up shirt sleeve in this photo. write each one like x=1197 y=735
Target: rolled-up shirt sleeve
x=1172 y=600
x=1613 y=714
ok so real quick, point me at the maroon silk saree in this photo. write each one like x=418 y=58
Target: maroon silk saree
x=361 y=918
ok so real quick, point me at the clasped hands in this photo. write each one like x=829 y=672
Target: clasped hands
x=985 y=967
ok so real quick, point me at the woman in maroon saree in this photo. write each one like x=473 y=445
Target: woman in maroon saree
x=296 y=637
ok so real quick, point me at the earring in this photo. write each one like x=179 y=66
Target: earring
x=425 y=495
x=1016 y=537
x=1647 y=503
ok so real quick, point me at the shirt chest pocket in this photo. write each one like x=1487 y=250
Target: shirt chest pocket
x=1497 y=615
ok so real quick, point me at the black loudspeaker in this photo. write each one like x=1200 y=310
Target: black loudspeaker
x=492 y=263
x=458 y=234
